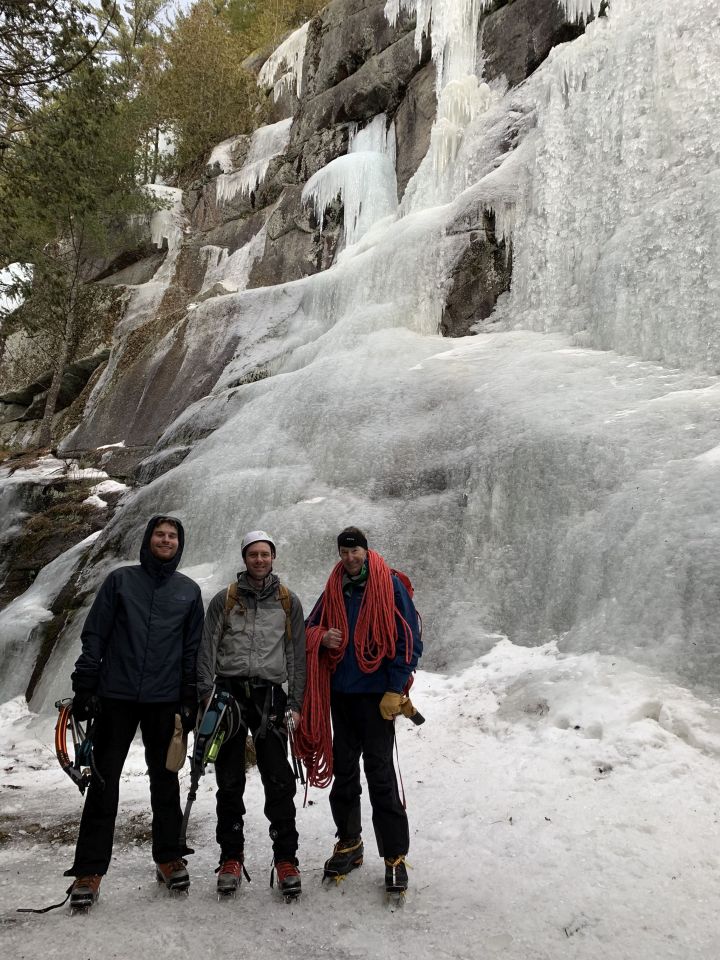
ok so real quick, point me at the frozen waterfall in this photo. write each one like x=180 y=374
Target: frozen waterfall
x=554 y=477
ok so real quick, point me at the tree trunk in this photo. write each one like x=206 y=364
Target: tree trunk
x=156 y=155
x=45 y=436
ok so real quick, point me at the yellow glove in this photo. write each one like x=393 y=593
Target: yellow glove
x=391 y=705
x=407 y=708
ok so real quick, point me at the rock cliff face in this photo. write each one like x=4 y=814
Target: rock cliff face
x=164 y=355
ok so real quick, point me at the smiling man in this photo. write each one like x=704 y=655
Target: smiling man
x=369 y=633
x=253 y=644
x=137 y=668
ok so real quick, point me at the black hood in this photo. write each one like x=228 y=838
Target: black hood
x=151 y=564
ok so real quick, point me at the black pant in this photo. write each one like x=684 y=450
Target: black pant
x=276 y=773
x=114 y=731
x=358 y=728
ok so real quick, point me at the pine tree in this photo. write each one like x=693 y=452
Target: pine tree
x=68 y=194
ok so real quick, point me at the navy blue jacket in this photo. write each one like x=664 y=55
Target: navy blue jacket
x=141 y=637
x=392 y=674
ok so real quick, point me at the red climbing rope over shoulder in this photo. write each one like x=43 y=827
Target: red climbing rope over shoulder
x=375 y=639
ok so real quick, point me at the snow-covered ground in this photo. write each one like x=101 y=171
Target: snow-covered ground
x=560 y=806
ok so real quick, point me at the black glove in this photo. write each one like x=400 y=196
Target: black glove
x=188 y=715
x=86 y=705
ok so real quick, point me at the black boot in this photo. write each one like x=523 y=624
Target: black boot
x=396 y=877
x=347 y=855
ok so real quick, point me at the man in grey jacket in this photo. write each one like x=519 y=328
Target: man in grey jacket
x=253 y=645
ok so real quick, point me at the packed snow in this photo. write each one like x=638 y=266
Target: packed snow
x=560 y=806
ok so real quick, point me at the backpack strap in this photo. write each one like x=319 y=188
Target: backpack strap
x=286 y=601
x=232 y=599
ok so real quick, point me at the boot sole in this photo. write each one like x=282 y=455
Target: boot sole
x=178 y=885
x=337 y=875
x=227 y=890
x=83 y=903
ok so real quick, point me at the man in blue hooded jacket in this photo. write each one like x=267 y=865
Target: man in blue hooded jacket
x=137 y=668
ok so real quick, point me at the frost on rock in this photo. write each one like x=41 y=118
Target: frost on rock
x=18 y=647
x=365 y=183
x=222 y=154
x=267 y=142
x=231 y=271
x=283 y=68
x=166 y=224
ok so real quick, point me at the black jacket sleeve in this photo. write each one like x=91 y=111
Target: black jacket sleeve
x=191 y=645
x=95 y=634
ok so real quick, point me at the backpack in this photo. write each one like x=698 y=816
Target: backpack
x=405 y=581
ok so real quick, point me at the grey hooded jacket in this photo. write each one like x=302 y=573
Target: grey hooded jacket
x=252 y=641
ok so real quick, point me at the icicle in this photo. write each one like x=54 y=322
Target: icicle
x=289 y=55
x=366 y=184
x=375 y=137
x=453 y=27
x=166 y=224
x=267 y=142
x=222 y=154
x=577 y=10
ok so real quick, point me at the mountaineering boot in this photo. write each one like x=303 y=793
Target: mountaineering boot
x=288 y=879
x=347 y=855
x=229 y=876
x=173 y=874
x=84 y=891
x=396 y=876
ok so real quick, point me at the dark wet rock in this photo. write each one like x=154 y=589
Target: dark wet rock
x=30 y=399
x=413 y=122
x=482 y=273
x=517 y=37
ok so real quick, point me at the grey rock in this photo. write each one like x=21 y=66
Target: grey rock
x=344 y=37
x=31 y=398
x=519 y=36
x=295 y=246
x=482 y=273
x=378 y=86
x=413 y=122
x=137 y=273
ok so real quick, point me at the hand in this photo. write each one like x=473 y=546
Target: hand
x=408 y=708
x=295 y=718
x=188 y=715
x=391 y=705
x=332 y=638
x=86 y=705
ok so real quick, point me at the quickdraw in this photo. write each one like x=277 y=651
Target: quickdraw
x=81 y=769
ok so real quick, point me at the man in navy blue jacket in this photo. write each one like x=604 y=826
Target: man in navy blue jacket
x=137 y=667
x=367 y=692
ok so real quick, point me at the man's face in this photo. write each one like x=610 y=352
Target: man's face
x=258 y=560
x=164 y=542
x=352 y=559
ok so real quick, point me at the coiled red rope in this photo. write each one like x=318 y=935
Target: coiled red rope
x=375 y=639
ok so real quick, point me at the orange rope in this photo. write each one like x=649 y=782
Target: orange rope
x=375 y=639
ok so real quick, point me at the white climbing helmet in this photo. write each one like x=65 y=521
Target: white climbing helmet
x=253 y=537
